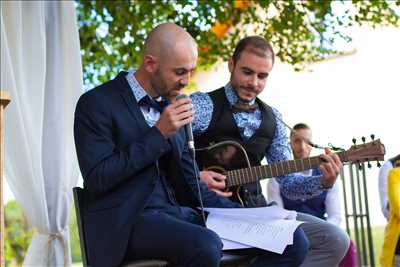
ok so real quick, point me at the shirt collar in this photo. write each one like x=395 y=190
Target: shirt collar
x=232 y=96
x=137 y=89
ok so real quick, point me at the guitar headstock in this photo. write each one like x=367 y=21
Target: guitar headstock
x=371 y=151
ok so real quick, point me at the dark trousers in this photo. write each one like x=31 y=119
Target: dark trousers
x=181 y=239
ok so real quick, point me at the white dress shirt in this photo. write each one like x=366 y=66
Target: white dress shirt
x=383 y=174
x=332 y=200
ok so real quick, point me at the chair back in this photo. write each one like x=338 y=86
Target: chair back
x=78 y=199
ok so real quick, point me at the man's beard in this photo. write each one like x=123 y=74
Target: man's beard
x=158 y=84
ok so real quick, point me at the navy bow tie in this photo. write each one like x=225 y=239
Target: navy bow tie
x=243 y=107
x=158 y=105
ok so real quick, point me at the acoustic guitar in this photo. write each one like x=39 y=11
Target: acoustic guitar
x=231 y=159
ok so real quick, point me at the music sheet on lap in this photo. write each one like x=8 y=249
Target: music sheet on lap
x=263 y=213
x=268 y=228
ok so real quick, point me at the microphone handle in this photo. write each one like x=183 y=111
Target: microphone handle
x=189 y=131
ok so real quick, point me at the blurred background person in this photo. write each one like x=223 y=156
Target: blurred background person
x=327 y=205
x=391 y=246
x=383 y=184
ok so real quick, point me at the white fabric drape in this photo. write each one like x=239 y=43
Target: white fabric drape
x=41 y=68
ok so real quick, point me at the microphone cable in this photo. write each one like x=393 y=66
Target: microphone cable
x=334 y=148
x=196 y=174
x=191 y=150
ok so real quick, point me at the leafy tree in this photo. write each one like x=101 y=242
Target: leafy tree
x=17 y=234
x=112 y=32
x=74 y=237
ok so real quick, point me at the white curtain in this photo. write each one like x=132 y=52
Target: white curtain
x=41 y=69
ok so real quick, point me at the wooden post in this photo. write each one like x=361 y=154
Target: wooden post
x=4 y=100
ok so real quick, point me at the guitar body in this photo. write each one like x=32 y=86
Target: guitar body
x=226 y=156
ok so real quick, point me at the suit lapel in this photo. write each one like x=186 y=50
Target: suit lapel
x=130 y=101
x=175 y=146
x=133 y=107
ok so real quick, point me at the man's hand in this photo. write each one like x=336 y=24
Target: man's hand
x=215 y=182
x=330 y=168
x=174 y=116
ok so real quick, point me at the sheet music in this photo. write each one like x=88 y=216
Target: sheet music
x=265 y=228
x=265 y=213
x=229 y=244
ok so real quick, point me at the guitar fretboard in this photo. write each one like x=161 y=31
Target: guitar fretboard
x=253 y=174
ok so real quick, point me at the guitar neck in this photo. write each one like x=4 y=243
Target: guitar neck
x=254 y=174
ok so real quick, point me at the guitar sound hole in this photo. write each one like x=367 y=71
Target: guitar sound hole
x=227 y=157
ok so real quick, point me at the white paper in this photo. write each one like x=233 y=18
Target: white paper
x=229 y=244
x=264 y=228
x=264 y=213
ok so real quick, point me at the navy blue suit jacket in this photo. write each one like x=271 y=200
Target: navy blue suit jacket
x=117 y=153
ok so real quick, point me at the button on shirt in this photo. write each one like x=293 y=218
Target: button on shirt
x=293 y=186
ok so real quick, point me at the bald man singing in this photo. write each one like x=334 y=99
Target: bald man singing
x=140 y=185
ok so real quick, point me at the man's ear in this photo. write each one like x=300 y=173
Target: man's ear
x=231 y=65
x=150 y=63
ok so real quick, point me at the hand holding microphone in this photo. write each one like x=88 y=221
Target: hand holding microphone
x=176 y=115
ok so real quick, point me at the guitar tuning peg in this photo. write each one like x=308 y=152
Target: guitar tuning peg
x=372 y=137
x=363 y=139
x=359 y=166
x=378 y=164
x=369 y=165
x=354 y=141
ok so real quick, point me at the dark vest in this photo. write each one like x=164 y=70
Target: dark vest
x=314 y=206
x=223 y=127
x=395 y=160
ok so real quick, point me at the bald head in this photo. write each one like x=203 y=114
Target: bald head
x=166 y=39
x=169 y=59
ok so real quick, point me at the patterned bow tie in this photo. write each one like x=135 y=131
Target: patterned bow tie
x=158 y=105
x=242 y=107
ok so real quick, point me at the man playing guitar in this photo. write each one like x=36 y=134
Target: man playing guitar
x=235 y=112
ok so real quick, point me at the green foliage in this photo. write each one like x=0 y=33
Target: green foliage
x=378 y=233
x=17 y=234
x=74 y=237
x=112 y=32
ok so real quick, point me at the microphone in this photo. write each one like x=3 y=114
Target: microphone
x=334 y=148
x=188 y=130
x=315 y=145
